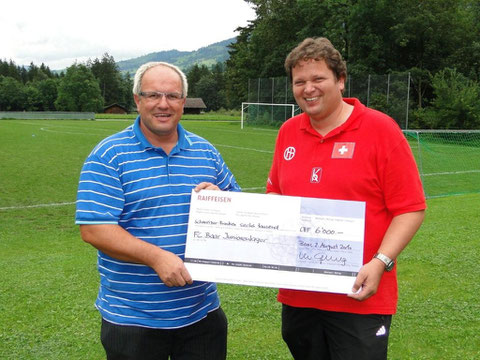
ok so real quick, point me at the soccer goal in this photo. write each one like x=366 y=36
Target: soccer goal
x=267 y=114
x=448 y=160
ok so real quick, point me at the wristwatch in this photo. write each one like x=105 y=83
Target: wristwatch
x=389 y=263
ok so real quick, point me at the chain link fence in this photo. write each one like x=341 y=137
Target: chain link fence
x=448 y=160
x=388 y=93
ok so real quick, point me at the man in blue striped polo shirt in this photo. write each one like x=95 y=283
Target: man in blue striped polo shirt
x=132 y=205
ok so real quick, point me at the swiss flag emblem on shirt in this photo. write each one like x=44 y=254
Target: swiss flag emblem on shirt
x=343 y=150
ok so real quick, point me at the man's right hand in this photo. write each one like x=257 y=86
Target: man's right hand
x=171 y=269
x=116 y=242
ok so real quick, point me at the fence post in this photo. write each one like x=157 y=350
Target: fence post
x=388 y=87
x=420 y=160
x=272 y=100
x=258 y=90
x=368 y=91
x=249 y=92
x=408 y=100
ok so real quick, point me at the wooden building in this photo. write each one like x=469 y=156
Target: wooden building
x=194 y=106
x=115 y=109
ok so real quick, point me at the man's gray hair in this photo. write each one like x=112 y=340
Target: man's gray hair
x=137 y=81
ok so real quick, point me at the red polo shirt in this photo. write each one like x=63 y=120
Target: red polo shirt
x=365 y=159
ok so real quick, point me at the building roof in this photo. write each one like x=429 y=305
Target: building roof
x=115 y=105
x=195 y=103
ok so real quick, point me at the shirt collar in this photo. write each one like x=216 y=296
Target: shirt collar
x=183 y=142
x=353 y=122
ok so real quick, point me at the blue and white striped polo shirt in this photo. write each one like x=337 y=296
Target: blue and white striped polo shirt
x=127 y=181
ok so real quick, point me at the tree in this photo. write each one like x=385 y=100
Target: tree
x=48 y=91
x=33 y=98
x=218 y=75
x=455 y=105
x=374 y=36
x=79 y=91
x=12 y=95
x=126 y=87
x=109 y=79
x=35 y=73
x=422 y=37
x=330 y=19
x=9 y=69
x=194 y=75
x=208 y=84
x=240 y=68
x=275 y=33
x=208 y=90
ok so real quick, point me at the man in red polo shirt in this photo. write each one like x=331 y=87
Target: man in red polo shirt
x=340 y=149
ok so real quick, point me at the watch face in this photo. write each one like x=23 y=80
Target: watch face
x=389 y=266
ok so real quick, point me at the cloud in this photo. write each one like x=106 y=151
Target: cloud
x=58 y=33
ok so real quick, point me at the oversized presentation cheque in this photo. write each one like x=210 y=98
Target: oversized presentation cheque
x=275 y=241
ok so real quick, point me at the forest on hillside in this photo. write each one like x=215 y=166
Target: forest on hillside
x=436 y=41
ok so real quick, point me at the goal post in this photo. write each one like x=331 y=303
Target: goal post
x=266 y=114
x=448 y=160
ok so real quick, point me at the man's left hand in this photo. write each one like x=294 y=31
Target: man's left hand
x=206 y=186
x=367 y=280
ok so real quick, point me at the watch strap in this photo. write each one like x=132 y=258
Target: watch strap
x=389 y=263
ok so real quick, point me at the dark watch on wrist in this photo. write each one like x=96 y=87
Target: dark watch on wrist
x=389 y=263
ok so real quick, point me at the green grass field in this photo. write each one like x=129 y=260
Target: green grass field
x=48 y=280
x=449 y=163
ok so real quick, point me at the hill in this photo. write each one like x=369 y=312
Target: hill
x=209 y=55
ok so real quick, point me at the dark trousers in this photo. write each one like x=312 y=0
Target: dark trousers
x=315 y=334
x=204 y=340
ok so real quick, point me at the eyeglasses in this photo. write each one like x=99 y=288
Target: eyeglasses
x=157 y=95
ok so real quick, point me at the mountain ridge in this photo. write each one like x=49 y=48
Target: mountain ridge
x=208 y=55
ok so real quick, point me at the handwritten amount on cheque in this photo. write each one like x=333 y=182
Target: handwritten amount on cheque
x=316 y=230
x=228 y=236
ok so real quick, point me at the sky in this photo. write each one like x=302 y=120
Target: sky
x=59 y=33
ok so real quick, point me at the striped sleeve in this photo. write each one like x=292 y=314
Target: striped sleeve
x=225 y=179
x=100 y=198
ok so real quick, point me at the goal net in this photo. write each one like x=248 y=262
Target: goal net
x=448 y=160
x=267 y=114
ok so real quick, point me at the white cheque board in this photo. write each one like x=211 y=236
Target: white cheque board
x=275 y=241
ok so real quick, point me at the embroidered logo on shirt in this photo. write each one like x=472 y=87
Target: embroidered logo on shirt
x=316 y=175
x=382 y=331
x=289 y=153
x=343 y=150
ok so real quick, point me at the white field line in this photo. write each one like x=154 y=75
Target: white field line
x=48 y=128
x=120 y=120
x=243 y=132
x=244 y=148
x=254 y=188
x=187 y=120
x=73 y=203
x=219 y=145
x=453 y=172
x=75 y=133
x=211 y=121
x=275 y=131
x=36 y=206
x=70 y=133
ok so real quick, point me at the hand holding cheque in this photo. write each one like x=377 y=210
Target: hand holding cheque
x=275 y=241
